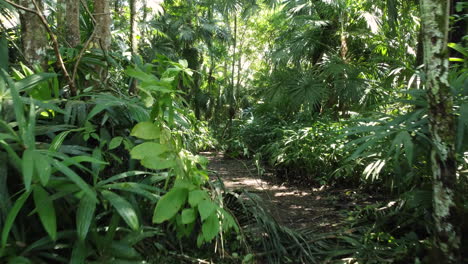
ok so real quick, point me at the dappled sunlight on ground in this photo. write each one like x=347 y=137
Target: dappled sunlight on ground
x=312 y=208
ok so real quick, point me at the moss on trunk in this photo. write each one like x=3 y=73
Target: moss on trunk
x=435 y=15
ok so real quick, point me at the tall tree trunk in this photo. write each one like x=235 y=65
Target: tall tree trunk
x=133 y=27
x=133 y=39
x=33 y=35
x=61 y=9
x=232 y=110
x=73 y=23
x=435 y=21
x=103 y=24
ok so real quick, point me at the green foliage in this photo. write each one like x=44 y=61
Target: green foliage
x=67 y=151
x=163 y=150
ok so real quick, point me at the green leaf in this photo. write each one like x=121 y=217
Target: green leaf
x=79 y=253
x=459 y=48
x=210 y=227
x=18 y=106
x=125 y=251
x=124 y=208
x=138 y=188
x=170 y=204
x=75 y=178
x=122 y=176
x=156 y=163
x=19 y=260
x=188 y=216
x=146 y=130
x=45 y=209
x=147 y=149
x=115 y=142
x=10 y=219
x=33 y=80
x=3 y=53
x=405 y=138
x=84 y=216
x=140 y=75
x=43 y=167
x=206 y=209
x=196 y=196
x=27 y=165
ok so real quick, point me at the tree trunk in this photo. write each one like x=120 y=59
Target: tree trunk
x=133 y=27
x=60 y=9
x=435 y=20
x=72 y=23
x=232 y=99
x=133 y=39
x=103 y=23
x=33 y=35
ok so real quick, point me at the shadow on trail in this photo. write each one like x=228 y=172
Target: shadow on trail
x=320 y=209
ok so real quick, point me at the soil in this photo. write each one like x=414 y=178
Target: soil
x=322 y=209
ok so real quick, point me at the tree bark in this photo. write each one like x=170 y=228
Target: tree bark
x=103 y=23
x=60 y=9
x=133 y=39
x=72 y=23
x=33 y=35
x=435 y=21
x=133 y=27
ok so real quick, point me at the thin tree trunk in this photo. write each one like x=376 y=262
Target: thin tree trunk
x=233 y=71
x=60 y=9
x=103 y=23
x=33 y=36
x=435 y=14
x=133 y=39
x=133 y=27
x=72 y=22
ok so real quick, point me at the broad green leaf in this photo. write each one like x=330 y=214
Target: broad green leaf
x=84 y=216
x=169 y=204
x=404 y=138
x=45 y=209
x=206 y=208
x=147 y=149
x=122 y=176
x=115 y=142
x=43 y=167
x=184 y=63
x=459 y=48
x=33 y=80
x=159 y=89
x=200 y=240
x=124 y=250
x=79 y=253
x=138 y=188
x=228 y=220
x=75 y=178
x=188 y=216
x=3 y=53
x=27 y=166
x=146 y=130
x=140 y=75
x=124 y=208
x=210 y=227
x=10 y=219
x=156 y=163
x=19 y=260
x=18 y=105
x=196 y=196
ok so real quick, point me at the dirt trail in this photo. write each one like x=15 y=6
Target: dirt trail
x=298 y=208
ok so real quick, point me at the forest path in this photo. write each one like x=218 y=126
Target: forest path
x=317 y=209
